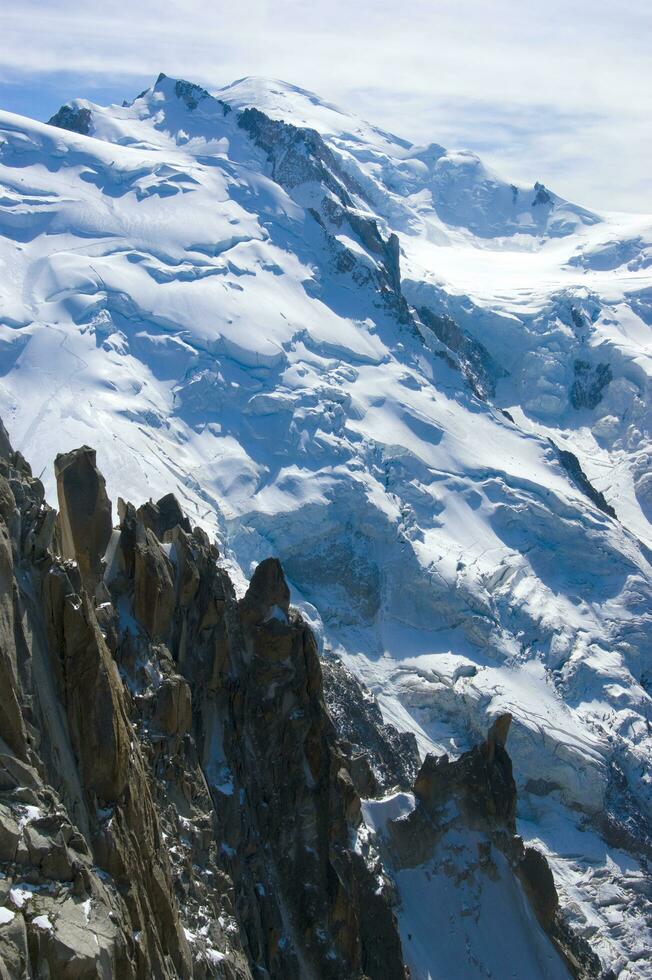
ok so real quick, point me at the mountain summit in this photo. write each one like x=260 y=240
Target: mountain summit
x=424 y=390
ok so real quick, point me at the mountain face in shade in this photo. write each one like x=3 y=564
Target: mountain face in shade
x=422 y=388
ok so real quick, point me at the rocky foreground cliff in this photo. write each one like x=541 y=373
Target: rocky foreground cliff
x=176 y=798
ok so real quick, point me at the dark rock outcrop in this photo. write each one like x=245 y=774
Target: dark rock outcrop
x=299 y=156
x=589 y=383
x=572 y=465
x=473 y=359
x=536 y=876
x=268 y=595
x=478 y=792
x=153 y=585
x=190 y=93
x=541 y=196
x=480 y=781
x=85 y=523
x=163 y=516
x=380 y=758
x=76 y=119
x=174 y=801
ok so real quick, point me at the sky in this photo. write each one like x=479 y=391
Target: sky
x=557 y=91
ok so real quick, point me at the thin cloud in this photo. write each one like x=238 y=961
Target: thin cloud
x=551 y=90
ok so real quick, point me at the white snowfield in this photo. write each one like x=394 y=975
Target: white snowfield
x=224 y=320
x=458 y=921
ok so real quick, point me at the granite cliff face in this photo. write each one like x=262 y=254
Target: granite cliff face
x=175 y=802
x=176 y=799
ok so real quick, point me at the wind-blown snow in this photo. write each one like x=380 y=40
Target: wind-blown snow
x=173 y=297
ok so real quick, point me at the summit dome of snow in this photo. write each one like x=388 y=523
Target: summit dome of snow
x=425 y=389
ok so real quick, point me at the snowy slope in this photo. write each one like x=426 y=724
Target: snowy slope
x=457 y=920
x=365 y=357
x=539 y=281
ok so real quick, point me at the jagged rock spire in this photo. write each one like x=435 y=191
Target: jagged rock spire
x=268 y=592
x=84 y=512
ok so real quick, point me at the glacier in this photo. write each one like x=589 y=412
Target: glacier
x=423 y=388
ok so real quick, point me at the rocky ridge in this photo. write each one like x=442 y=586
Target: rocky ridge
x=176 y=799
x=478 y=792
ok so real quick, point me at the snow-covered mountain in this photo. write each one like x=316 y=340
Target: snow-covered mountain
x=426 y=390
